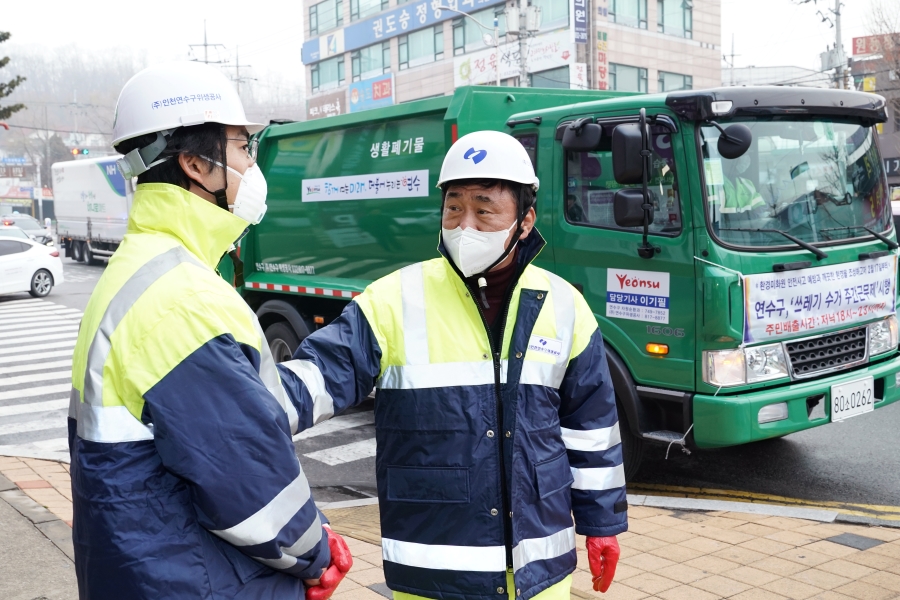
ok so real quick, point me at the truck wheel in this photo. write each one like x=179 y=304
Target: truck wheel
x=78 y=251
x=89 y=256
x=282 y=340
x=632 y=446
x=41 y=283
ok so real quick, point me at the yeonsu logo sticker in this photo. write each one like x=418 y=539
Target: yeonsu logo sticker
x=545 y=345
x=637 y=295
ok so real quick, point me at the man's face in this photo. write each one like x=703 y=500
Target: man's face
x=484 y=209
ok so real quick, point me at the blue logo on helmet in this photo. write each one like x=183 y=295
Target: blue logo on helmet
x=476 y=155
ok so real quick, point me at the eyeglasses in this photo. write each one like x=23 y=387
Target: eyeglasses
x=252 y=146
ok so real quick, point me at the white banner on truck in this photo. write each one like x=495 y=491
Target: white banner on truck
x=807 y=301
x=401 y=184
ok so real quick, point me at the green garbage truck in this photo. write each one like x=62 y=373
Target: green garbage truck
x=736 y=244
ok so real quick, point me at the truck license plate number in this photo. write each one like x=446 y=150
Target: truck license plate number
x=852 y=399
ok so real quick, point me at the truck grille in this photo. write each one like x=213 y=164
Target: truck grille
x=827 y=352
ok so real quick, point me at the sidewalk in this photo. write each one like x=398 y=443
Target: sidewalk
x=667 y=554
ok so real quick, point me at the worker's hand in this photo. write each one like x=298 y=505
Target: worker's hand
x=341 y=561
x=603 y=556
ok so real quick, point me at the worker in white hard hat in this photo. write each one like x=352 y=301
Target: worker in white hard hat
x=495 y=415
x=185 y=484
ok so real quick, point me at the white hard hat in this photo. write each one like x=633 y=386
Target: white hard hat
x=488 y=155
x=164 y=97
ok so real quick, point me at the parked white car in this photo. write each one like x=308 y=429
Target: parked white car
x=28 y=266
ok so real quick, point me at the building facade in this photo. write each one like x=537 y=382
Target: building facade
x=361 y=54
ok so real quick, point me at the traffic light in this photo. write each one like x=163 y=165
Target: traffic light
x=83 y=151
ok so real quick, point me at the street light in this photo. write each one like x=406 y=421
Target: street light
x=487 y=37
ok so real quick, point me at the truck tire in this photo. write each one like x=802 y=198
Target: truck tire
x=282 y=340
x=41 y=283
x=632 y=445
x=89 y=256
x=78 y=251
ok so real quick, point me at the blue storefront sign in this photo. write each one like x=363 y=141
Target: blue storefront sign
x=372 y=93
x=13 y=160
x=399 y=21
x=581 y=36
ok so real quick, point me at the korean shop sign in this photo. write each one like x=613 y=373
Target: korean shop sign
x=404 y=19
x=808 y=301
x=329 y=105
x=372 y=93
x=546 y=51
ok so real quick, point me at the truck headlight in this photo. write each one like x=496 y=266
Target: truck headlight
x=883 y=336
x=765 y=362
x=745 y=365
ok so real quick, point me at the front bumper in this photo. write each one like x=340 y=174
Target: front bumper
x=732 y=420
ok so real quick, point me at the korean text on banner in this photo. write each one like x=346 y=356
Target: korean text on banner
x=637 y=295
x=810 y=301
x=402 y=184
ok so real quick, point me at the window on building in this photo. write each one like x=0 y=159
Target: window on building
x=551 y=78
x=623 y=78
x=328 y=74
x=672 y=82
x=371 y=61
x=325 y=15
x=468 y=36
x=589 y=187
x=632 y=13
x=364 y=8
x=422 y=47
x=675 y=17
x=555 y=14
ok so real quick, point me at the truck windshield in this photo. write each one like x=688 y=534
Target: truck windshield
x=818 y=180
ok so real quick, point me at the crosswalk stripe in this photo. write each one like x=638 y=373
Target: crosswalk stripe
x=12 y=303
x=51 y=345
x=38 y=338
x=44 y=327
x=343 y=454
x=39 y=321
x=49 y=420
x=36 y=391
x=8 y=381
x=337 y=424
x=6 y=307
x=10 y=315
x=33 y=407
x=38 y=367
x=60 y=445
x=30 y=357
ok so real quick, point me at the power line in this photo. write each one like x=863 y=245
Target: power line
x=58 y=130
x=206 y=46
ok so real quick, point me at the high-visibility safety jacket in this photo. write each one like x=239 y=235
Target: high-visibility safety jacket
x=184 y=479
x=483 y=454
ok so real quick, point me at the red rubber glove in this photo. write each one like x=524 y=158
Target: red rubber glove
x=341 y=561
x=603 y=556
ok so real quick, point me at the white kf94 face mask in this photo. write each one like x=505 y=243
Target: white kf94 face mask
x=250 y=201
x=474 y=251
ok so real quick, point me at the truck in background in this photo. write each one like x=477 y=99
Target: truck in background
x=92 y=205
x=736 y=245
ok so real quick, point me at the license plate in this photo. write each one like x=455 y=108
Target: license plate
x=852 y=399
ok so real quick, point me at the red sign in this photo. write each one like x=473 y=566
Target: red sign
x=382 y=89
x=874 y=44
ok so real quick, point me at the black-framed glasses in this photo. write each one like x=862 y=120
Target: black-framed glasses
x=252 y=145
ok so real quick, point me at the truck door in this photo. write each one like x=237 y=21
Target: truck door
x=638 y=301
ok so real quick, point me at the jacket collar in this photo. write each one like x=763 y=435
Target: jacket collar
x=203 y=228
x=526 y=251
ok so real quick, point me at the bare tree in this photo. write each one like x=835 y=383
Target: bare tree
x=7 y=88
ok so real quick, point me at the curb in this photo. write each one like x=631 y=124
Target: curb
x=54 y=529
x=60 y=457
x=702 y=505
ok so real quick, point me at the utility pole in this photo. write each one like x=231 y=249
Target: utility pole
x=838 y=46
x=238 y=80
x=206 y=46
x=523 y=43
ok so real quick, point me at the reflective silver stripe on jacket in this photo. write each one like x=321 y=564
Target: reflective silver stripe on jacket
x=268 y=372
x=98 y=423
x=415 y=328
x=556 y=544
x=311 y=376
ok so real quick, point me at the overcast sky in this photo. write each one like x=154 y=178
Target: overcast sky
x=268 y=33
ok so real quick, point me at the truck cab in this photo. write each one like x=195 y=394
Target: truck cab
x=749 y=295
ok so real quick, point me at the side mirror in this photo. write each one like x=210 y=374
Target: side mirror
x=582 y=136
x=628 y=164
x=734 y=141
x=628 y=208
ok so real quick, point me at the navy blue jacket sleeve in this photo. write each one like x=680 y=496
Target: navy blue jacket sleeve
x=218 y=428
x=334 y=369
x=590 y=431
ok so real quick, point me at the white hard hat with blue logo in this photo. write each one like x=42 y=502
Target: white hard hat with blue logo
x=488 y=155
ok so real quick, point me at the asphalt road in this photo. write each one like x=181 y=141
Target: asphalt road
x=856 y=461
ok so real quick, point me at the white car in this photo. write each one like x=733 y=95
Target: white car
x=28 y=266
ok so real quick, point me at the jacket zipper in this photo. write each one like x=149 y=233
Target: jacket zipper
x=498 y=396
